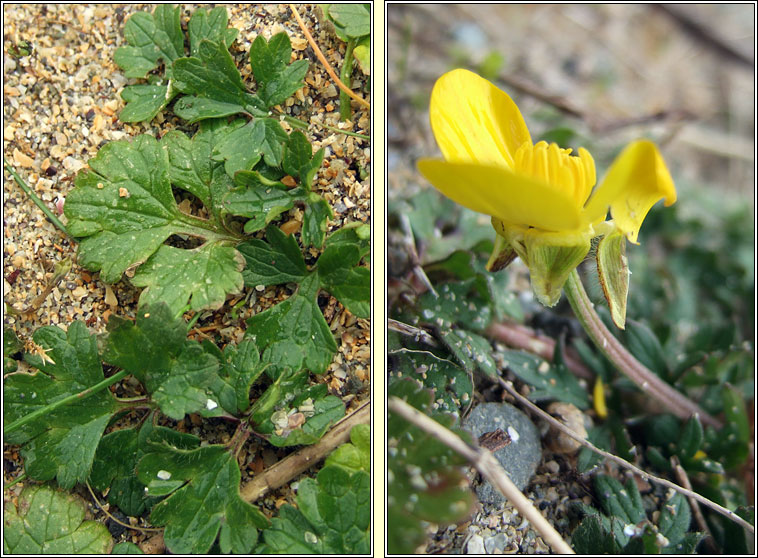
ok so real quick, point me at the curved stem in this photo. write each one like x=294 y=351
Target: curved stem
x=614 y=351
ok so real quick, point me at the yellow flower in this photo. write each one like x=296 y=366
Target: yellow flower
x=540 y=196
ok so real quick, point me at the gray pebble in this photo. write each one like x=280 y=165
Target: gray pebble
x=499 y=541
x=519 y=458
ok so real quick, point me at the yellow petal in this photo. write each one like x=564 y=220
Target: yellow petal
x=475 y=122
x=495 y=191
x=637 y=179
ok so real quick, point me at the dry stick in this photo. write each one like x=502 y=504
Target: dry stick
x=417 y=333
x=410 y=246
x=651 y=384
x=294 y=464
x=684 y=480
x=487 y=465
x=563 y=428
x=521 y=337
x=322 y=58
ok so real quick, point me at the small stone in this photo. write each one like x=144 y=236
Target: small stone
x=573 y=418
x=519 y=458
x=22 y=159
x=475 y=545
x=110 y=297
x=79 y=292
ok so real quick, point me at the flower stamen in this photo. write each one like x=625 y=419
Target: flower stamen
x=573 y=174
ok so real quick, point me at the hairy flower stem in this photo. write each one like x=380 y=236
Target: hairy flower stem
x=65 y=401
x=46 y=210
x=614 y=351
x=345 y=73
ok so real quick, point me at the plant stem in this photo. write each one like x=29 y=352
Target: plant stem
x=70 y=399
x=29 y=192
x=614 y=351
x=347 y=70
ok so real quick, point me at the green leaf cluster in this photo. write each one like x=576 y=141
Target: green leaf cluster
x=294 y=334
x=623 y=525
x=333 y=511
x=191 y=489
x=124 y=209
x=208 y=79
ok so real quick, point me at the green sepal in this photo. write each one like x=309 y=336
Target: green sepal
x=502 y=252
x=549 y=265
x=613 y=272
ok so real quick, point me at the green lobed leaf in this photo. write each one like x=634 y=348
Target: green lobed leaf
x=240 y=367
x=171 y=276
x=278 y=260
x=426 y=481
x=471 y=350
x=260 y=199
x=214 y=83
x=356 y=455
x=550 y=381
x=244 y=147
x=299 y=160
x=462 y=303
x=211 y=25
x=143 y=101
x=277 y=79
x=60 y=443
x=282 y=391
x=317 y=213
x=124 y=209
x=47 y=521
x=174 y=370
x=152 y=37
x=116 y=461
x=453 y=387
x=206 y=504
x=340 y=273
x=294 y=333
x=320 y=409
x=351 y=20
x=333 y=516
x=191 y=164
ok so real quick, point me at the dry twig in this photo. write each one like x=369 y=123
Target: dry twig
x=623 y=463
x=294 y=464
x=322 y=59
x=488 y=466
